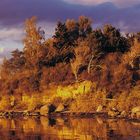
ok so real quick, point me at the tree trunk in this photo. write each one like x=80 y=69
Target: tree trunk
x=76 y=76
x=89 y=64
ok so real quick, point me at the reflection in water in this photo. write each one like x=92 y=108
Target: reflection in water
x=68 y=129
x=52 y=121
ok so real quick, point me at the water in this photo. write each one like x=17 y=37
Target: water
x=68 y=129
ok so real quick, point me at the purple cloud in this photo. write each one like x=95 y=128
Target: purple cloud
x=120 y=3
x=14 y=12
x=121 y=13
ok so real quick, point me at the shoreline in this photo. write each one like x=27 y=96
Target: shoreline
x=18 y=114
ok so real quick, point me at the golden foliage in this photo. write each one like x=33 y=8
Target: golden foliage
x=100 y=57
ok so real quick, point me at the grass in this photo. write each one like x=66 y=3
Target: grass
x=87 y=101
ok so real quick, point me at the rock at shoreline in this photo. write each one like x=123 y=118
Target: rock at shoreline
x=123 y=114
x=138 y=115
x=113 y=113
x=135 y=109
x=60 y=108
x=135 y=112
x=99 y=108
x=44 y=110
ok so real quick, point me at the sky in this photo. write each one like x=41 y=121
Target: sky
x=123 y=14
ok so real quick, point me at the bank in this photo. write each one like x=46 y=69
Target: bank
x=81 y=99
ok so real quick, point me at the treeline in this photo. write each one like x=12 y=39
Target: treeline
x=75 y=52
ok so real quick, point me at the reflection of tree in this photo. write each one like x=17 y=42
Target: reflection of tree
x=85 y=129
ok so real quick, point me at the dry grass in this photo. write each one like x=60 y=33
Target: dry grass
x=81 y=102
x=4 y=103
x=88 y=102
x=123 y=102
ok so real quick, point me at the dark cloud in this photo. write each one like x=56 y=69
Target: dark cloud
x=14 y=12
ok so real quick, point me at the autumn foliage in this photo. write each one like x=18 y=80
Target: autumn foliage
x=76 y=52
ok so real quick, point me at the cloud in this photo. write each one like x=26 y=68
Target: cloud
x=50 y=11
x=6 y=47
x=1 y=49
x=120 y=3
x=123 y=14
x=48 y=27
x=11 y=37
x=19 y=10
x=12 y=33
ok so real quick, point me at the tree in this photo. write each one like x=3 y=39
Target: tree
x=82 y=53
x=33 y=42
x=114 y=41
x=5 y=69
x=132 y=58
x=61 y=36
x=96 y=40
x=84 y=26
x=18 y=60
x=73 y=31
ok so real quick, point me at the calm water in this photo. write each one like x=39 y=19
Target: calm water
x=68 y=129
